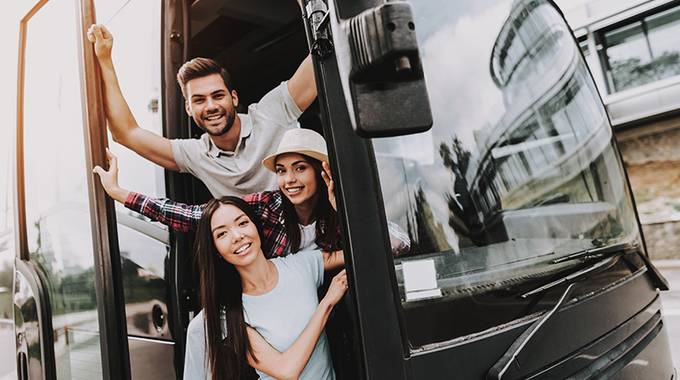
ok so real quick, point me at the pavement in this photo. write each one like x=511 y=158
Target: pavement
x=671 y=304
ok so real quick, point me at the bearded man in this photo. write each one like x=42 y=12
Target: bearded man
x=227 y=157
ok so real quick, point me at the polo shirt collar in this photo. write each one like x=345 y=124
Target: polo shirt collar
x=246 y=129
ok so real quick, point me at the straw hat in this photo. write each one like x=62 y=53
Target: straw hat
x=302 y=141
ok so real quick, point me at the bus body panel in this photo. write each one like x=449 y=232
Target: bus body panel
x=519 y=169
x=558 y=351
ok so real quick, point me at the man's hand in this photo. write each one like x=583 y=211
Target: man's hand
x=121 y=122
x=102 y=40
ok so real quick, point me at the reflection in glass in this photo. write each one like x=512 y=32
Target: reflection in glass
x=142 y=257
x=137 y=56
x=644 y=51
x=7 y=253
x=143 y=262
x=57 y=210
x=518 y=169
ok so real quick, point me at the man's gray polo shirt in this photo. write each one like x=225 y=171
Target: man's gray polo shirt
x=241 y=172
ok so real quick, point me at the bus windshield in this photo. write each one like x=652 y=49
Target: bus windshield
x=520 y=166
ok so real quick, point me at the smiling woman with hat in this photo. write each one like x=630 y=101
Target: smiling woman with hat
x=300 y=214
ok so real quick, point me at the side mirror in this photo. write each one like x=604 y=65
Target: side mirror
x=380 y=67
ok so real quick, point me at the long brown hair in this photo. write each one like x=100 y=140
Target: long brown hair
x=323 y=213
x=221 y=289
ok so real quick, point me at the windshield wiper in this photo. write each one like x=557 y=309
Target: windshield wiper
x=503 y=364
x=599 y=252
x=603 y=264
x=616 y=250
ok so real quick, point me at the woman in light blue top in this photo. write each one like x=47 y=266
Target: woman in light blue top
x=258 y=311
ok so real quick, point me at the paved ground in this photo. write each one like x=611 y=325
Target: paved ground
x=671 y=303
x=6 y=345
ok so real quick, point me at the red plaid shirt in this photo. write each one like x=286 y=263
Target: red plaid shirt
x=268 y=206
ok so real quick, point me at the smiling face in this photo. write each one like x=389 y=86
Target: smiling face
x=211 y=104
x=235 y=236
x=297 y=178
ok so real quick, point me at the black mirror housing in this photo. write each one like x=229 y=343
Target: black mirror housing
x=380 y=70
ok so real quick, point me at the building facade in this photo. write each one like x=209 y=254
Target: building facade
x=633 y=52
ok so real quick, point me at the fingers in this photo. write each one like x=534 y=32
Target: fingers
x=105 y=32
x=113 y=161
x=341 y=278
x=97 y=33
x=326 y=175
x=328 y=180
x=326 y=169
x=90 y=33
x=110 y=155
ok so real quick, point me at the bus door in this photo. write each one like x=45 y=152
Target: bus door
x=146 y=267
x=515 y=192
x=260 y=43
x=69 y=300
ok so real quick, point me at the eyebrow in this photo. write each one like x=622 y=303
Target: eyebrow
x=216 y=92
x=294 y=163
x=224 y=225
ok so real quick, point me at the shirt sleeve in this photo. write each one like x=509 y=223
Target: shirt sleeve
x=276 y=107
x=311 y=264
x=182 y=152
x=195 y=363
x=178 y=216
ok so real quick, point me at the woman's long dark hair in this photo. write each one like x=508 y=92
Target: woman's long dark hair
x=220 y=288
x=324 y=214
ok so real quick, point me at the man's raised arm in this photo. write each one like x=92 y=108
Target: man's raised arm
x=302 y=85
x=122 y=123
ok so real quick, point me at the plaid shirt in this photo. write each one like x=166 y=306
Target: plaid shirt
x=268 y=206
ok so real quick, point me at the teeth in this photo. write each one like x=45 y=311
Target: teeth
x=294 y=190
x=215 y=117
x=243 y=248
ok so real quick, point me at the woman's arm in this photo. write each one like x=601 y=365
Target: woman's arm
x=109 y=178
x=178 y=216
x=290 y=363
x=333 y=260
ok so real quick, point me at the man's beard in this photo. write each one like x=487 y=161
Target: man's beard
x=231 y=117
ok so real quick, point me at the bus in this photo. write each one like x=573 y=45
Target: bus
x=474 y=125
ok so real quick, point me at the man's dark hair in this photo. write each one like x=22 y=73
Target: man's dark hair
x=201 y=67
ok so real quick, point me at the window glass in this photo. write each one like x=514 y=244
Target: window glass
x=643 y=51
x=583 y=44
x=136 y=55
x=663 y=31
x=143 y=263
x=629 y=57
x=7 y=251
x=518 y=169
x=57 y=208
